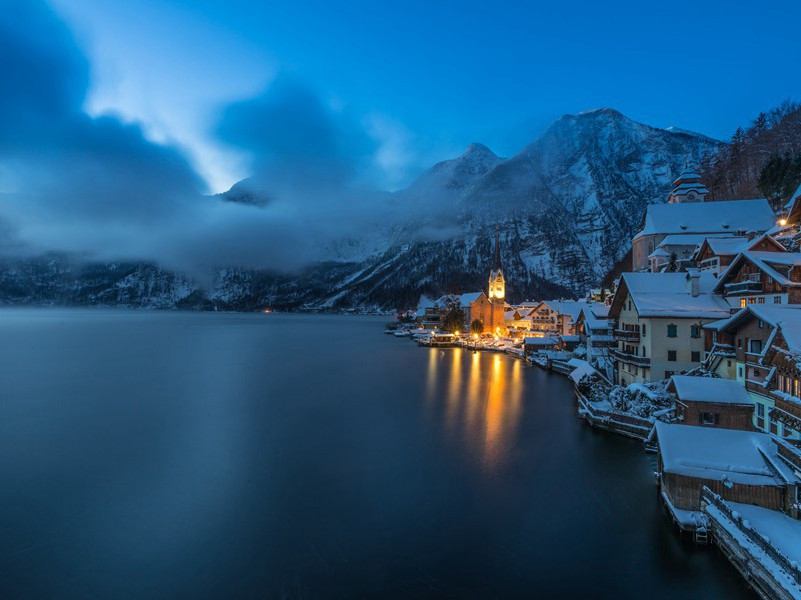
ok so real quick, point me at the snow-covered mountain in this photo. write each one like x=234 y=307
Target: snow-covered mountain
x=567 y=206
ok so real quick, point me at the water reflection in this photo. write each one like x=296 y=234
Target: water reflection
x=479 y=397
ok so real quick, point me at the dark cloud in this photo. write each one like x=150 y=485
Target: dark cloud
x=98 y=187
x=294 y=137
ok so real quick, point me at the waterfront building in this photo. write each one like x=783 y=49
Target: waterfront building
x=712 y=402
x=759 y=277
x=740 y=466
x=596 y=334
x=735 y=217
x=738 y=347
x=658 y=319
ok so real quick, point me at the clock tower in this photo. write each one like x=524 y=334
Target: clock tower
x=496 y=291
x=687 y=188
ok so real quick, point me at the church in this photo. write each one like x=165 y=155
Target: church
x=496 y=293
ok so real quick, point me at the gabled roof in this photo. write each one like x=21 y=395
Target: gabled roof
x=690 y=239
x=668 y=295
x=767 y=262
x=710 y=389
x=566 y=307
x=708 y=217
x=726 y=246
x=465 y=300
x=772 y=314
x=720 y=454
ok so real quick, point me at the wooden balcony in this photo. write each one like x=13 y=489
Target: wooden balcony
x=743 y=287
x=627 y=334
x=632 y=359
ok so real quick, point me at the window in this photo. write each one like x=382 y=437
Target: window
x=777 y=299
x=760 y=410
x=643 y=329
x=671 y=330
x=643 y=350
x=672 y=355
x=739 y=342
x=728 y=363
x=755 y=346
x=669 y=374
x=761 y=324
x=756 y=372
x=739 y=371
x=742 y=302
x=706 y=418
x=695 y=331
x=695 y=356
x=761 y=300
x=751 y=300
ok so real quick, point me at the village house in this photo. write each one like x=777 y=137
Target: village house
x=658 y=320
x=517 y=318
x=737 y=349
x=712 y=402
x=686 y=214
x=759 y=277
x=681 y=248
x=740 y=466
x=595 y=331
x=716 y=253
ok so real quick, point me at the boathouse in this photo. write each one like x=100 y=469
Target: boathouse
x=712 y=402
x=740 y=466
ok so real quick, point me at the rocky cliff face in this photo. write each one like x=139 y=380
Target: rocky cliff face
x=566 y=205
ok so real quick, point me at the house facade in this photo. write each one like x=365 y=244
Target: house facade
x=759 y=277
x=658 y=324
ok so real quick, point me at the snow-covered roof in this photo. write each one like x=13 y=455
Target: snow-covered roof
x=659 y=252
x=581 y=368
x=540 y=341
x=727 y=246
x=465 y=300
x=566 y=307
x=768 y=262
x=689 y=239
x=710 y=389
x=708 y=217
x=668 y=295
x=772 y=314
x=720 y=454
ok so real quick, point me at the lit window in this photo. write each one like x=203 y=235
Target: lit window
x=742 y=302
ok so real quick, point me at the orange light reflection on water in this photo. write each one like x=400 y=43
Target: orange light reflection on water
x=479 y=398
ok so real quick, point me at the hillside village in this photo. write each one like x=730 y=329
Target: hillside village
x=696 y=352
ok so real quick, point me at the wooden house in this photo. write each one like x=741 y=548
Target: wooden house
x=712 y=402
x=740 y=466
x=759 y=277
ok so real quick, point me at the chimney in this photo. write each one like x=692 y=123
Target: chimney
x=695 y=278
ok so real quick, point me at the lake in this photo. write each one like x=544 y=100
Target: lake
x=200 y=455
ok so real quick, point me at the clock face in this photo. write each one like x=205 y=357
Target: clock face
x=691 y=197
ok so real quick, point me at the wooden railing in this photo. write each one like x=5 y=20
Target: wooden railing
x=634 y=359
x=627 y=334
x=792 y=569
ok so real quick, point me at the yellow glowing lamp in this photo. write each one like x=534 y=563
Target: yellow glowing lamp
x=456 y=332
x=782 y=222
x=475 y=336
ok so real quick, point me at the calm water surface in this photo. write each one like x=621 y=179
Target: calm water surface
x=166 y=455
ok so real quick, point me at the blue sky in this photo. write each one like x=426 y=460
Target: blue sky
x=426 y=78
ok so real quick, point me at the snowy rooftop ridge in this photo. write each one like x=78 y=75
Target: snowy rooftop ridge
x=710 y=389
x=721 y=454
x=708 y=217
x=669 y=295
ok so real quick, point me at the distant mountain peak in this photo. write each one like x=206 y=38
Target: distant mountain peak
x=478 y=149
x=608 y=112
